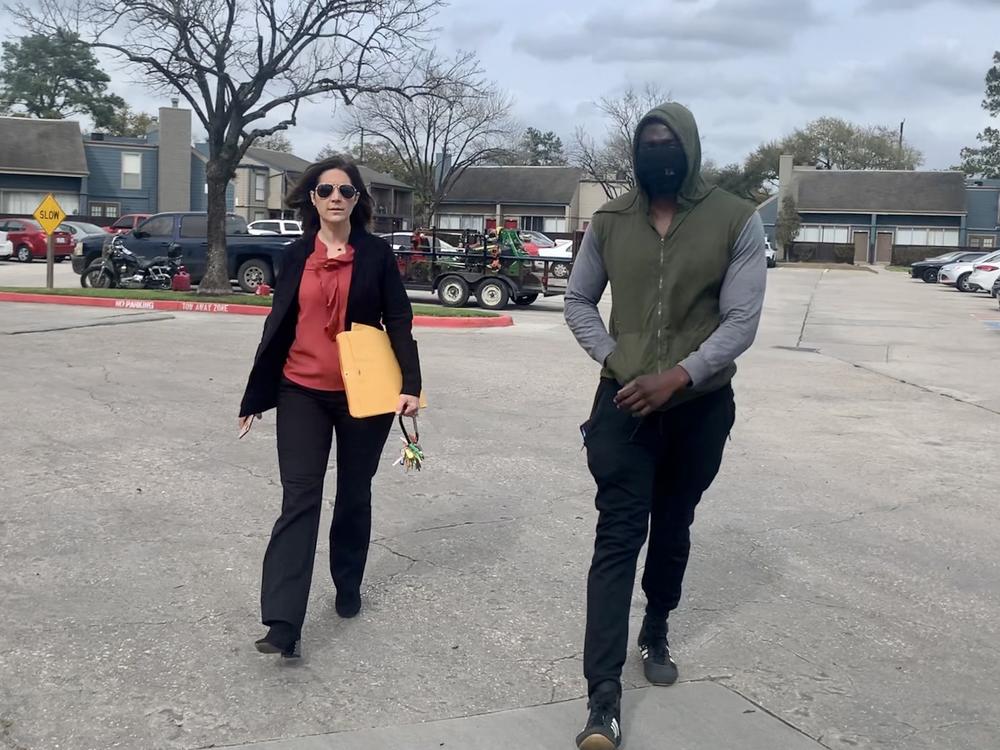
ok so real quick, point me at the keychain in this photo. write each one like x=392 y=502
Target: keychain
x=412 y=456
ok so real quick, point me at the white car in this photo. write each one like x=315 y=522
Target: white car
x=958 y=275
x=550 y=249
x=547 y=246
x=769 y=254
x=985 y=274
x=275 y=226
x=6 y=247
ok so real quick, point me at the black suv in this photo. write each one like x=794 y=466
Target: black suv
x=253 y=260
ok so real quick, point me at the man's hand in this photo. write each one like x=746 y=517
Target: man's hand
x=647 y=393
x=409 y=406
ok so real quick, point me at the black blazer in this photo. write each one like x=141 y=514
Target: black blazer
x=376 y=298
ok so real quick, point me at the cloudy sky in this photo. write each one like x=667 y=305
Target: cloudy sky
x=751 y=70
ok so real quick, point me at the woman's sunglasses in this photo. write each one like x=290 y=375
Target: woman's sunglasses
x=325 y=190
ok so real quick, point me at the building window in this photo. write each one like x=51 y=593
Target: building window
x=25 y=202
x=554 y=225
x=836 y=235
x=839 y=235
x=982 y=241
x=927 y=237
x=104 y=210
x=460 y=221
x=260 y=188
x=131 y=171
x=543 y=223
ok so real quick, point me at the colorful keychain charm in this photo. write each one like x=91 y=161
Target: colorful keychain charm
x=412 y=456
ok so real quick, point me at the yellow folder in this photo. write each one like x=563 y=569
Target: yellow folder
x=372 y=377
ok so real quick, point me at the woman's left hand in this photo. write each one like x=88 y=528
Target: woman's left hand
x=409 y=406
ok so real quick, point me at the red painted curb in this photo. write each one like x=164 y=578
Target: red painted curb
x=163 y=305
x=167 y=305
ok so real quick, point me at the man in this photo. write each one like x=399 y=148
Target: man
x=687 y=271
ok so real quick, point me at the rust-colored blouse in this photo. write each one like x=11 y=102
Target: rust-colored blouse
x=314 y=360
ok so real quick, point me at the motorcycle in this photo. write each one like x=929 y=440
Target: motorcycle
x=120 y=268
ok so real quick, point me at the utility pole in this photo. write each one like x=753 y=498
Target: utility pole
x=901 y=139
x=361 y=156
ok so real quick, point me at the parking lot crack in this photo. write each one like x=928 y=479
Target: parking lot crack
x=252 y=473
x=95 y=324
x=923 y=388
x=777 y=717
x=412 y=560
x=809 y=306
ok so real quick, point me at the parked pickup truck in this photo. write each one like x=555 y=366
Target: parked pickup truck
x=252 y=260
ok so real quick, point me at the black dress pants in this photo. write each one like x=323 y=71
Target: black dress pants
x=650 y=475
x=307 y=421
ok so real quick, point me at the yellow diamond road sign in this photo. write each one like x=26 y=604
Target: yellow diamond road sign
x=49 y=214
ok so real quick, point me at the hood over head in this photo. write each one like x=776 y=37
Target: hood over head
x=679 y=119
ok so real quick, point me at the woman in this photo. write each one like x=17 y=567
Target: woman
x=337 y=274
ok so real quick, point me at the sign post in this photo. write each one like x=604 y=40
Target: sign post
x=49 y=216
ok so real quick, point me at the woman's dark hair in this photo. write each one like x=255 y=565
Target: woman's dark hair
x=298 y=197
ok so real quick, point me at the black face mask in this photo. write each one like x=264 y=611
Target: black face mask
x=661 y=168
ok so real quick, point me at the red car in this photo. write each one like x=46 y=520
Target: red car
x=126 y=223
x=29 y=240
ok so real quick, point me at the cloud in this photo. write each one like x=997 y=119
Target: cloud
x=465 y=29
x=724 y=30
x=922 y=75
x=887 y=6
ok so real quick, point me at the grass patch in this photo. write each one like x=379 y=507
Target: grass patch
x=232 y=299
x=452 y=312
x=898 y=269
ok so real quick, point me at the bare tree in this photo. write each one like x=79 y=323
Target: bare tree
x=597 y=164
x=245 y=65
x=275 y=142
x=610 y=162
x=436 y=138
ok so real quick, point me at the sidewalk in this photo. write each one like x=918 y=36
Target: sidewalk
x=688 y=716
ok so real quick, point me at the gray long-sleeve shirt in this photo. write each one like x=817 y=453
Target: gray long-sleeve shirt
x=740 y=302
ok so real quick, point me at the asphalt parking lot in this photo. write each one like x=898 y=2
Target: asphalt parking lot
x=844 y=589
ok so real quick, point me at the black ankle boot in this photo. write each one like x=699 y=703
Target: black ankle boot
x=280 y=639
x=348 y=603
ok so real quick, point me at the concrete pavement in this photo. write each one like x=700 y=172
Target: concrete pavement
x=843 y=580
x=694 y=715
x=13 y=273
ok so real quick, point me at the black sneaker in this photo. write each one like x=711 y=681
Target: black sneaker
x=657 y=665
x=604 y=727
x=348 y=603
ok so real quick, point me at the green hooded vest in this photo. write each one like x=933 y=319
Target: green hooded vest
x=665 y=290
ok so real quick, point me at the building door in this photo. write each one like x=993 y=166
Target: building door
x=861 y=247
x=883 y=247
